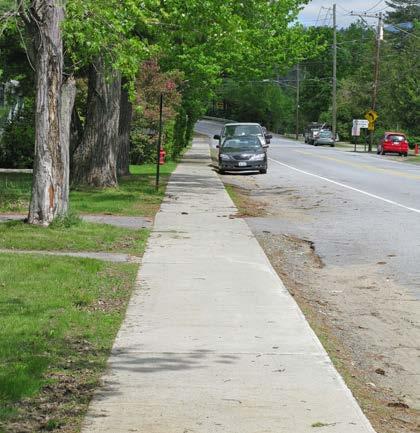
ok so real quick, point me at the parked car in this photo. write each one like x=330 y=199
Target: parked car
x=393 y=142
x=312 y=130
x=242 y=153
x=324 y=137
x=242 y=129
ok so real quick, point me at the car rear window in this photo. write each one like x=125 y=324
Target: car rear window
x=325 y=134
x=395 y=137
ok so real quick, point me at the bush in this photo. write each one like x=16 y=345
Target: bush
x=412 y=141
x=17 y=140
x=143 y=147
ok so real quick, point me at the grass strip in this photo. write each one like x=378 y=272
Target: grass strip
x=59 y=317
x=80 y=236
x=135 y=195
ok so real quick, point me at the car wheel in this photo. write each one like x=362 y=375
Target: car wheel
x=332 y=145
x=315 y=143
x=405 y=154
x=263 y=171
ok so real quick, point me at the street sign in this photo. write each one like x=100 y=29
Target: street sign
x=361 y=123
x=355 y=131
x=371 y=126
x=371 y=115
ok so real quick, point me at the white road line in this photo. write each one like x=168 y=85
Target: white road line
x=348 y=187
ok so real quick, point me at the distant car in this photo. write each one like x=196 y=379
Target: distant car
x=324 y=137
x=241 y=129
x=242 y=153
x=393 y=142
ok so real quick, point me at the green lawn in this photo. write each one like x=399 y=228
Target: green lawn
x=59 y=317
x=82 y=236
x=135 y=196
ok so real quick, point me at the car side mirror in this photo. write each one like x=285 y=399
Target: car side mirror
x=268 y=136
x=217 y=137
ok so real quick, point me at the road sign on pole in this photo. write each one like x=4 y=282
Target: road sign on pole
x=361 y=123
x=371 y=115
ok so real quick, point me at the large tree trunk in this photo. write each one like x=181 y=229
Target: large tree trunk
x=126 y=114
x=95 y=159
x=50 y=178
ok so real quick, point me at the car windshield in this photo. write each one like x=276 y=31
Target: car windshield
x=232 y=130
x=241 y=143
x=325 y=134
x=394 y=137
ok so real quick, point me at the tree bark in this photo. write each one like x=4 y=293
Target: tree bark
x=68 y=95
x=95 y=159
x=126 y=114
x=76 y=132
x=50 y=177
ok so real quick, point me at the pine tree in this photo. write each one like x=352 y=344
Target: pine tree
x=403 y=11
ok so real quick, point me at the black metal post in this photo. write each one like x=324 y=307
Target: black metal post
x=159 y=143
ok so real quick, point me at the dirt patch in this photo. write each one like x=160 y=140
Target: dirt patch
x=62 y=402
x=363 y=337
x=247 y=206
x=367 y=323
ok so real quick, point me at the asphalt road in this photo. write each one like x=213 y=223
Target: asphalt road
x=359 y=208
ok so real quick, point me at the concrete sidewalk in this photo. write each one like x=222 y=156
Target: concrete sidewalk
x=212 y=341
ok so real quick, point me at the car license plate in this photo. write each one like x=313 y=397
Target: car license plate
x=242 y=164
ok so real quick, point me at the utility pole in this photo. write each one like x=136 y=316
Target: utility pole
x=379 y=38
x=297 y=99
x=334 y=81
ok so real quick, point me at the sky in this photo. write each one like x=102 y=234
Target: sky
x=312 y=14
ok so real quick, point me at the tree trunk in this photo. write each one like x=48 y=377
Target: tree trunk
x=126 y=113
x=68 y=95
x=76 y=132
x=49 y=190
x=95 y=160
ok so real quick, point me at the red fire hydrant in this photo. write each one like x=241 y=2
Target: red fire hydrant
x=162 y=154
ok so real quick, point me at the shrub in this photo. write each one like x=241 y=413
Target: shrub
x=17 y=140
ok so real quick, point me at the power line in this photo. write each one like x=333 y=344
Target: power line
x=373 y=7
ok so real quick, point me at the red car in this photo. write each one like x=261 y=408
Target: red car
x=393 y=142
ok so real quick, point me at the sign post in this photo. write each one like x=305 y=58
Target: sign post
x=371 y=117
x=358 y=124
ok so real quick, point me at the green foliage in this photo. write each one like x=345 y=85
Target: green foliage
x=398 y=100
x=211 y=41
x=17 y=140
x=263 y=102
x=67 y=221
x=115 y=30
x=403 y=11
